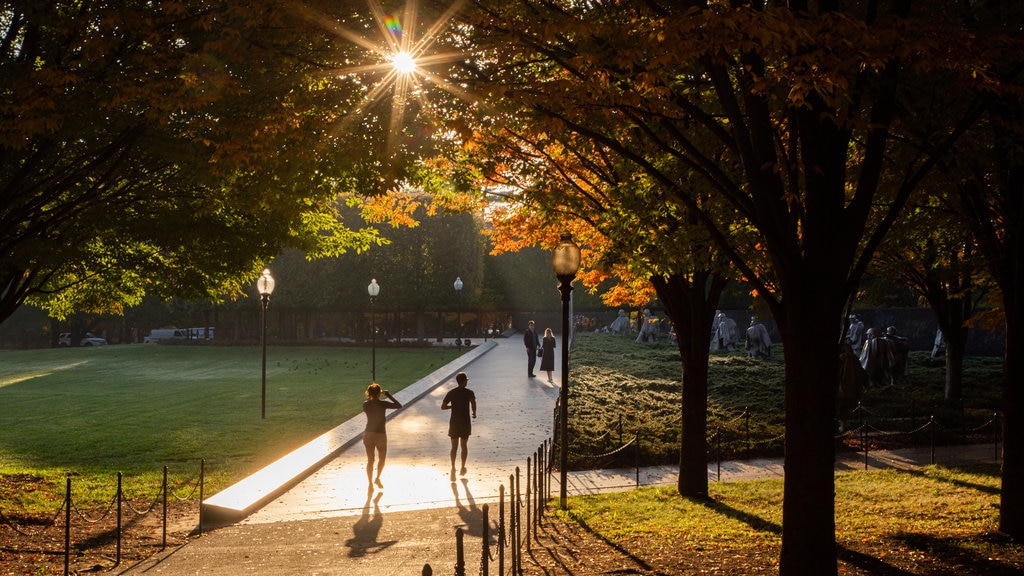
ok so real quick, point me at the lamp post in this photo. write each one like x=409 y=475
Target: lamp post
x=373 y=290
x=265 y=286
x=565 y=259
x=458 y=294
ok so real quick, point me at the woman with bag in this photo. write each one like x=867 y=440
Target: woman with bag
x=547 y=353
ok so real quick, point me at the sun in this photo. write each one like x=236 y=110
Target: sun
x=403 y=51
x=403 y=62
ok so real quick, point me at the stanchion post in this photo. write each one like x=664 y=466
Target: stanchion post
x=202 y=481
x=501 y=530
x=636 y=456
x=117 y=560
x=164 y=542
x=486 y=532
x=931 y=424
x=67 y=529
x=529 y=503
x=460 y=555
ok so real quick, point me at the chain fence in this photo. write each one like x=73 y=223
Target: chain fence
x=97 y=528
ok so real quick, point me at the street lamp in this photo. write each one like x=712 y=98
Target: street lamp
x=373 y=290
x=565 y=259
x=265 y=286
x=458 y=294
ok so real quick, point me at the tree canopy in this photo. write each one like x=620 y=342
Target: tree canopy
x=810 y=121
x=172 y=148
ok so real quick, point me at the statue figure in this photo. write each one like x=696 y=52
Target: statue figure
x=852 y=379
x=758 y=341
x=620 y=326
x=648 y=328
x=723 y=335
x=876 y=359
x=900 y=348
x=855 y=333
x=939 y=347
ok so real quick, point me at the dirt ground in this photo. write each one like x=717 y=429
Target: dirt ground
x=563 y=548
x=36 y=545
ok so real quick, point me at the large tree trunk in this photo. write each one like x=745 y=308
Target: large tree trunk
x=1011 y=504
x=691 y=307
x=956 y=347
x=811 y=350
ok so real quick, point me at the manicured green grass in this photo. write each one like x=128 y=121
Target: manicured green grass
x=93 y=412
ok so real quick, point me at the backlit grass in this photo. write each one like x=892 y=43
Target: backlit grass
x=93 y=412
x=890 y=506
x=620 y=388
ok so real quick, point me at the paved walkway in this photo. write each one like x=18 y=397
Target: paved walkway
x=330 y=523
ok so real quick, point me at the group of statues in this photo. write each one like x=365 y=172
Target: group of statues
x=725 y=336
x=650 y=326
x=882 y=356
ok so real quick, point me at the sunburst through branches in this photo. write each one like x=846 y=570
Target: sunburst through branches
x=401 y=53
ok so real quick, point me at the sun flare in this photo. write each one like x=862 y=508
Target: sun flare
x=400 y=56
x=403 y=62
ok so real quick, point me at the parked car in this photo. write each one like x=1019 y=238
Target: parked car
x=88 y=340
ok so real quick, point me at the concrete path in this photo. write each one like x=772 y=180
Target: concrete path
x=515 y=416
x=331 y=523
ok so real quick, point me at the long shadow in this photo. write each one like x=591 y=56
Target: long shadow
x=473 y=516
x=367 y=528
x=870 y=564
x=647 y=568
x=967 y=557
x=990 y=469
x=755 y=522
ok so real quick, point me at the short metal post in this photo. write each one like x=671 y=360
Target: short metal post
x=67 y=529
x=501 y=530
x=164 y=544
x=202 y=480
x=460 y=556
x=718 y=451
x=746 y=424
x=117 y=560
x=931 y=424
x=486 y=531
x=512 y=528
x=529 y=504
x=636 y=456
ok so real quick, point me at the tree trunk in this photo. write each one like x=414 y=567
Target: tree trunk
x=811 y=350
x=956 y=347
x=691 y=308
x=1011 y=502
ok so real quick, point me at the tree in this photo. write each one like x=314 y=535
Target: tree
x=992 y=195
x=807 y=100
x=173 y=148
x=933 y=253
x=570 y=185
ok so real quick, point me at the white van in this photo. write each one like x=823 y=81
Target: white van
x=164 y=334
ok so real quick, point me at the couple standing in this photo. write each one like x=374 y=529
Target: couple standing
x=460 y=400
x=545 y=348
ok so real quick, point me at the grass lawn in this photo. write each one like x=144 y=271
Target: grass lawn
x=888 y=522
x=615 y=380
x=93 y=412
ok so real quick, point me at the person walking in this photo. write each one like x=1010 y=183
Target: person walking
x=375 y=436
x=531 y=342
x=547 y=357
x=460 y=400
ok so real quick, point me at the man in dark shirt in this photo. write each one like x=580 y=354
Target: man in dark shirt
x=532 y=342
x=459 y=400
